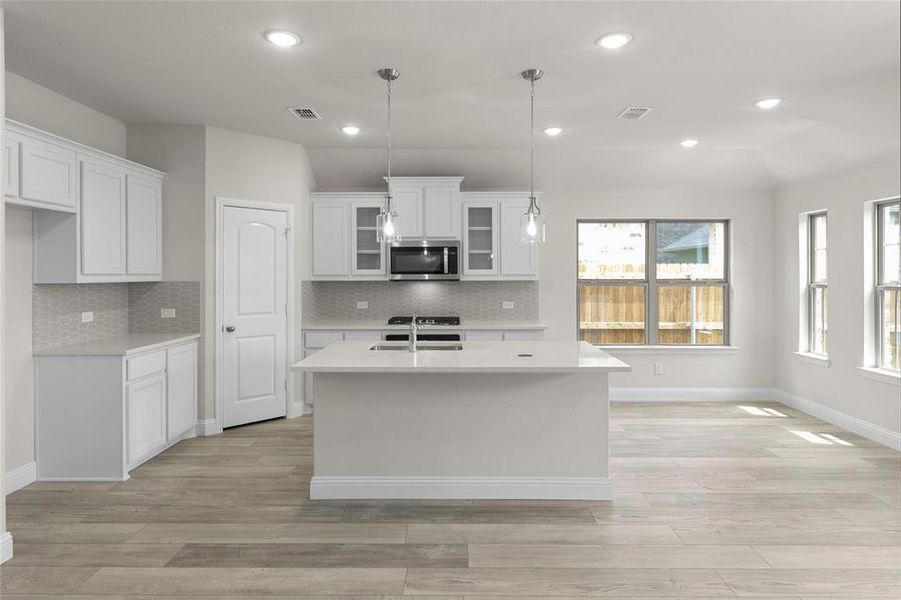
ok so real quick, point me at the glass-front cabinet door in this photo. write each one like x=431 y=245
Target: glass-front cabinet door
x=480 y=237
x=368 y=254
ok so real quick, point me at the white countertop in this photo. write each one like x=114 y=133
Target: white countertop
x=382 y=325
x=476 y=357
x=133 y=343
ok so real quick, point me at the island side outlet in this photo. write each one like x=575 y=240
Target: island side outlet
x=467 y=420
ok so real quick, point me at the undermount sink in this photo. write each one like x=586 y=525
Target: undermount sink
x=419 y=347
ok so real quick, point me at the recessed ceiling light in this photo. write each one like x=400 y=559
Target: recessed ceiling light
x=553 y=131
x=768 y=103
x=690 y=143
x=612 y=41
x=350 y=129
x=282 y=38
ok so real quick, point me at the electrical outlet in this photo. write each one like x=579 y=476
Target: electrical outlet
x=362 y=305
x=167 y=313
x=508 y=305
x=87 y=317
x=658 y=368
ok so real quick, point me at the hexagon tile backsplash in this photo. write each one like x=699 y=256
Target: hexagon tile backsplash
x=336 y=302
x=119 y=309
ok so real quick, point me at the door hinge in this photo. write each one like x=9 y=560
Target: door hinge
x=286 y=385
x=287 y=231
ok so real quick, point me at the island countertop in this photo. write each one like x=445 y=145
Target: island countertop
x=475 y=357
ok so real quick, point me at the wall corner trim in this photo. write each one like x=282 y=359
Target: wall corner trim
x=207 y=427
x=19 y=477
x=6 y=547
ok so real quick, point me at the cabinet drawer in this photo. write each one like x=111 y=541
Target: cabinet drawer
x=524 y=335
x=363 y=336
x=484 y=335
x=321 y=339
x=146 y=364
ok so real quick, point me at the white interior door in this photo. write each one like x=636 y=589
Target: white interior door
x=254 y=315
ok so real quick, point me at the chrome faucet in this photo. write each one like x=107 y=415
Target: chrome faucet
x=414 y=331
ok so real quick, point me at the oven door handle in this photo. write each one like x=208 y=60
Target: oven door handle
x=445 y=259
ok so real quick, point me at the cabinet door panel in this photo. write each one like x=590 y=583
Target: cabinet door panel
x=330 y=244
x=442 y=213
x=11 y=164
x=146 y=417
x=408 y=203
x=181 y=376
x=518 y=260
x=144 y=229
x=523 y=335
x=102 y=219
x=480 y=234
x=48 y=174
x=367 y=254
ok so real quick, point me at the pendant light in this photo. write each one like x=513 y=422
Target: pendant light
x=532 y=228
x=388 y=221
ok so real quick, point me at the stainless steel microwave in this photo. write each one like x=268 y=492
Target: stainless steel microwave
x=424 y=260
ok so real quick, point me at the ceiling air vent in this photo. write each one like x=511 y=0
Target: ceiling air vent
x=633 y=113
x=304 y=114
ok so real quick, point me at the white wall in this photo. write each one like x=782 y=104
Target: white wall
x=840 y=386
x=249 y=167
x=35 y=105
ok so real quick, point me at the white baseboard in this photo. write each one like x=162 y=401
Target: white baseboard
x=20 y=477
x=298 y=409
x=863 y=428
x=6 y=547
x=692 y=394
x=207 y=427
x=461 y=488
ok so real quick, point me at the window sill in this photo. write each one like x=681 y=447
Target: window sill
x=813 y=359
x=883 y=375
x=638 y=349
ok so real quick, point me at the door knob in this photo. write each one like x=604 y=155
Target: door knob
x=229 y=328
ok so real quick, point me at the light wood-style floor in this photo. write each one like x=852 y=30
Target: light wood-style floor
x=711 y=502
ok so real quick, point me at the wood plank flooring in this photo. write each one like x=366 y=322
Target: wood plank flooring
x=711 y=502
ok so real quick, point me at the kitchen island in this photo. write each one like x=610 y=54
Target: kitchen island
x=470 y=420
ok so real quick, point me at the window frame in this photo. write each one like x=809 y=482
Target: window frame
x=652 y=284
x=881 y=287
x=814 y=284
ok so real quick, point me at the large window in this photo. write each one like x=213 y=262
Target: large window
x=817 y=283
x=888 y=284
x=653 y=282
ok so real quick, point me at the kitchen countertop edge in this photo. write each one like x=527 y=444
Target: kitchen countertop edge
x=126 y=345
x=382 y=326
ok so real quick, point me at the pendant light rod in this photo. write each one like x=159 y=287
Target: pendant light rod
x=532 y=75
x=389 y=74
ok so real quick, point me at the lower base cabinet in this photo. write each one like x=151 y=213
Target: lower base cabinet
x=101 y=416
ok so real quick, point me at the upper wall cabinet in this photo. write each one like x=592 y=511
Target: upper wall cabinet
x=429 y=207
x=492 y=245
x=99 y=217
x=329 y=239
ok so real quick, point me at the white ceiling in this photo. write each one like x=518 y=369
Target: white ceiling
x=700 y=65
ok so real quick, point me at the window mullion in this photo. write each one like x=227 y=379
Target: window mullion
x=651 y=321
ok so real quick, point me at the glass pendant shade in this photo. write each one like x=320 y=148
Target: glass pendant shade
x=387 y=227
x=532 y=229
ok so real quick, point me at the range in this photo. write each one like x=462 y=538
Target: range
x=449 y=321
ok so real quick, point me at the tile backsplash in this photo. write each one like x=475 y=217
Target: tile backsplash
x=119 y=309
x=145 y=300
x=336 y=301
x=57 y=312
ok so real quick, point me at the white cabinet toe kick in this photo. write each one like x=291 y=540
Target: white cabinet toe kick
x=102 y=415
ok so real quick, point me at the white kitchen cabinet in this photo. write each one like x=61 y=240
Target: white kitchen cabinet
x=105 y=407
x=429 y=207
x=145 y=416
x=47 y=175
x=407 y=202
x=102 y=217
x=330 y=228
x=11 y=166
x=144 y=225
x=441 y=205
x=367 y=253
x=99 y=217
x=518 y=261
x=480 y=234
x=181 y=390
x=484 y=335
